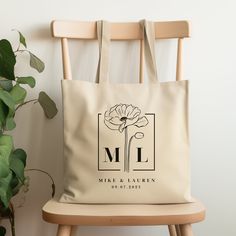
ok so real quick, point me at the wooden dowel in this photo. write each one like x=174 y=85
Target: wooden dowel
x=66 y=59
x=177 y=228
x=64 y=230
x=172 y=231
x=186 y=230
x=179 y=60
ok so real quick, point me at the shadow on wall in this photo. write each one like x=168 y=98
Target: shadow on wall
x=40 y=32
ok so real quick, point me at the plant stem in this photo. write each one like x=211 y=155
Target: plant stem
x=45 y=172
x=12 y=219
x=13 y=232
x=22 y=104
x=21 y=50
x=18 y=48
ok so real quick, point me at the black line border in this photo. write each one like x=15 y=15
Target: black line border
x=154 y=146
x=99 y=114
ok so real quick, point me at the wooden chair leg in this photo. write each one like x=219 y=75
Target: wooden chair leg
x=172 y=230
x=64 y=230
x=186 y=230
x=177 y=228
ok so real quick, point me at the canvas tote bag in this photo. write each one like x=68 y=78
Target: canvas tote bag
x=126 y=143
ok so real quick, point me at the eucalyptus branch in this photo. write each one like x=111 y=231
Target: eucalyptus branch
x=18 y=48
x=11 y=92
x=45 y=172
x=24 y=103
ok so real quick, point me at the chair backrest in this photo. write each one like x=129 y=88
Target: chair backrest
x=119 y=31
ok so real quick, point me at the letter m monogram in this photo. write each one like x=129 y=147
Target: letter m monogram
x=112 y=156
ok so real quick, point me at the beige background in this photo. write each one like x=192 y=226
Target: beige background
x=209 y=62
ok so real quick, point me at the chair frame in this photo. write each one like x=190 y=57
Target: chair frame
x=119 y=31
x=178 y=217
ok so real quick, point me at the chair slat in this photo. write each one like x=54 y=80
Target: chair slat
x=119 y=31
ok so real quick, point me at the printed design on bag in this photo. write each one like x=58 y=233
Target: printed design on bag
x=120 y=117
x=126 y=139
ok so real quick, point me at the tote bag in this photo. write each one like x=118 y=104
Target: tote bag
x=126 y=143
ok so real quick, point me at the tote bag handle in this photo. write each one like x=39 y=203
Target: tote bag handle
x=104 y=39
x=103 y=33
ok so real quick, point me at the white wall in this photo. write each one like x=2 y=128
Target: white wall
x=209 y=62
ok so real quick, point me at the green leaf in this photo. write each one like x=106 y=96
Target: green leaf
x=19 y=154
x=3 y=114
x=15 y=185
x=26 y=80
x=6 y=84
x=14 y=181
x=7 y=60
x=48 y=105
x=6 y=146
x=2 y=231
x=22 y=39
x=17 y=166
x=36 y=63
x=10 y=123
x=7 y=99
x=17 y=163
x=4 y=168
x=18 y=94
x=5 y=190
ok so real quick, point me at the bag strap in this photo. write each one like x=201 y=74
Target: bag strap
x=103 y=33
x=148 y=29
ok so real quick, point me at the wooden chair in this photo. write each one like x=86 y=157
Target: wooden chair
x=178 y=217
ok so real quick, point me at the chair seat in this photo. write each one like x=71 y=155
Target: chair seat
x=84 y=214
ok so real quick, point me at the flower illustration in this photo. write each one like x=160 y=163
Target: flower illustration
x=121 y=116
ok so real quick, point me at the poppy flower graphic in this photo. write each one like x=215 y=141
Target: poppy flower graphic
x=120 y=117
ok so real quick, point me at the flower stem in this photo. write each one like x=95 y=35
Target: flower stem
x=129 y=145
x=126 y=151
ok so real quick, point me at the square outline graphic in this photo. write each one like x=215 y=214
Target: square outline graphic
x=154 y=146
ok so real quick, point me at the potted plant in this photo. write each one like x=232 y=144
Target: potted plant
x=13 y=93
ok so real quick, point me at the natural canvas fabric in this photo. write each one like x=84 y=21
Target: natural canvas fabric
x=126 y=143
